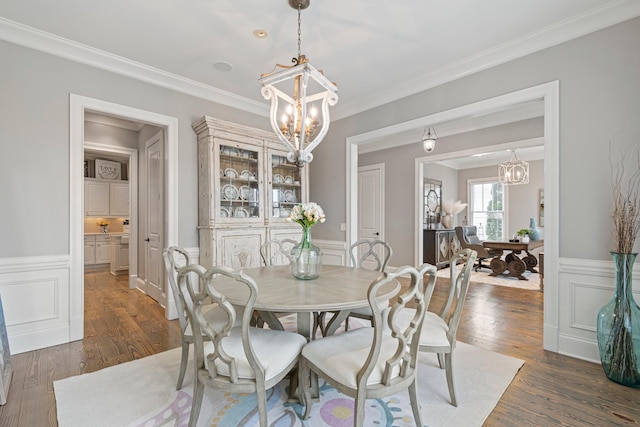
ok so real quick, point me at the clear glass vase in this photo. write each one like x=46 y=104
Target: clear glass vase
x=618 y=327
x=306 y=258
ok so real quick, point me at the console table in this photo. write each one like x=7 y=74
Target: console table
x=513 y=265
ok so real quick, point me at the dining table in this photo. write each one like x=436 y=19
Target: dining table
x=338 y=289
x=513 y=264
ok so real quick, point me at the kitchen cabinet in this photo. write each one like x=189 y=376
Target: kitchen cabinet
x=96 y=198
x=89 y=250
x=119 y=199
x=97 y=249
x=246 y=189
x=120 y=254
x=106 y=198
x=439 y=245
x=103 y=249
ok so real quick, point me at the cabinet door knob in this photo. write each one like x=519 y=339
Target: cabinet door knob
x=147 y=239
x=376 y=234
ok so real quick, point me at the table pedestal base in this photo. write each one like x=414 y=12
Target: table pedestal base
x=513 y=266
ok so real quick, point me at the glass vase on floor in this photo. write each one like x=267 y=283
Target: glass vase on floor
x=306 y=258
x=618 y=327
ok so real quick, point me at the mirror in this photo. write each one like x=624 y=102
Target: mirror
x=432 y=200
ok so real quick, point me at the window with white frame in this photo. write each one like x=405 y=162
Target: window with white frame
x=486 y=208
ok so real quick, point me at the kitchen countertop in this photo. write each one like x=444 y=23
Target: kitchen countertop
x=106 y=234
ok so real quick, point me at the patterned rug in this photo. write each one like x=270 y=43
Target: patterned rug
x=142 y=394
x=482 y=276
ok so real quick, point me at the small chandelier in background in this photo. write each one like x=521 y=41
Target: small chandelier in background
x=429 y=140
x=513 y=172
x=304 y=116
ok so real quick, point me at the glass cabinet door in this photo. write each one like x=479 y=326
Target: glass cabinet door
x=239 y=182
x=286 y=185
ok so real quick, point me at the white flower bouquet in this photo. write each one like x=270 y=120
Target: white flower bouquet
x=306 y=214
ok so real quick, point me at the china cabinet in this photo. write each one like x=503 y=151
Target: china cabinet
x=439 y=245
x=246 y=189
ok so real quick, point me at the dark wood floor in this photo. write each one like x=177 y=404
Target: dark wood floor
x=123 y=325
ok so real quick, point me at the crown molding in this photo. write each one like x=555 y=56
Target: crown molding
x=596 y=19
x=42 y=41
x=593 y=20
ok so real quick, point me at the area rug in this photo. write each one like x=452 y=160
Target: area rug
x=482 y=276
x=142 y=394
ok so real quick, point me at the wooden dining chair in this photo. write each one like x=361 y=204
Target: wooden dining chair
x=376 y=361
x=238 y=359
x=439 y=330
x=174 y=258
x=370 y=255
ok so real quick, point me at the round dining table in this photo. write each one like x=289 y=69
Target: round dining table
x=338 y=289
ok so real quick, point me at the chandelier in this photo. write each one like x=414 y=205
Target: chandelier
x=301 y=120
x=513 y=172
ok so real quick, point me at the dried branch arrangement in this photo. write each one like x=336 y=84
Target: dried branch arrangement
x=626 y=203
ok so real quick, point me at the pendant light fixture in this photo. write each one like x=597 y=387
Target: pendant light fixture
x=300 y=120
x=513 y=172
x=429 y=140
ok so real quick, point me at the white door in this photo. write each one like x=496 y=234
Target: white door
x=154 y=219
x=371 y=202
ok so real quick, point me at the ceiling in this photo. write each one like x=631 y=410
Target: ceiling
x=376 y=51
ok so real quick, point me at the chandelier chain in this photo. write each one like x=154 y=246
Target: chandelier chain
x=299 y=31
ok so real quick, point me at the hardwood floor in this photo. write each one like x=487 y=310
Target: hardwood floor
x=123 y=325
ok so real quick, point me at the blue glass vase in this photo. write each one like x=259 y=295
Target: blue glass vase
x=534 y=231
x=618 y=327
x=306 y=258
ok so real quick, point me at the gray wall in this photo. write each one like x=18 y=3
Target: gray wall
x=34 y=144
x=599 y=99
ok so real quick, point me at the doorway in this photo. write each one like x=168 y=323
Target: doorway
x=78 y=106
x=549 y=94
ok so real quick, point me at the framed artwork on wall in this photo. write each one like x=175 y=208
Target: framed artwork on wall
x=106 y=169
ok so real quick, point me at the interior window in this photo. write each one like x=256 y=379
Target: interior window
x=487 y=208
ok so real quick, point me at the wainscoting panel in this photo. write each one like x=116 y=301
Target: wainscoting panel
x=334 y=252
x=584 y=287
x=35 y=297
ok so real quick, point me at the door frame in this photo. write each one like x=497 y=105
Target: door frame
x=549 y=93
x=77 y=106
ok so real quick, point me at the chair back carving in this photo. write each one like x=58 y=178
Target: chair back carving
x=364 y=251
x=452 y=310
x=174 y=258
x=275 y=252
x=195 y=299
x=405 y=358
